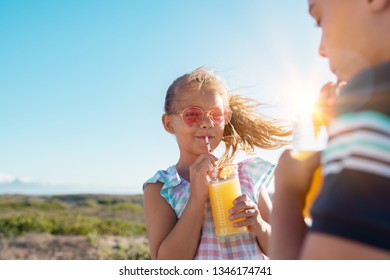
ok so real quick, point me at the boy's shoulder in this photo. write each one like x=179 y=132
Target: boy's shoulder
x=369 y=90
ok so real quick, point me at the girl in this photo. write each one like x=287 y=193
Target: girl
x=177 y=208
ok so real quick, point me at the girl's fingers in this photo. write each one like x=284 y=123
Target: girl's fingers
x=207 y=157
x=241 y=203
x=247 y=213
x=240 y=198
x=203 y=163
x=240 y=207
x=244 y=223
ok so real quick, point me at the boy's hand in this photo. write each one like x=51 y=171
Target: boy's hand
x=294 y=176
x=323 y=109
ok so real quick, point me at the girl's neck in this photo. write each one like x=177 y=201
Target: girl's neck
x=183 y=172
x=183 y=167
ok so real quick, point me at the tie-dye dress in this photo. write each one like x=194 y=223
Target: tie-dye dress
x=254 y=174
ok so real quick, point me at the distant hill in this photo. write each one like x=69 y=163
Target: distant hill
x=15 y=185
x=18 y=186
x=101 y=198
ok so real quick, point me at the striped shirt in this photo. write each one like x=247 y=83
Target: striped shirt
x=359 y=141
x=254 y=173
x=355 y=200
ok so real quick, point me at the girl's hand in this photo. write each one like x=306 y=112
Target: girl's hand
x=245 y=208
x=199 y=171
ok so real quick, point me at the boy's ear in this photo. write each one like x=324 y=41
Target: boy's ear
x=167 y=123
x=378 y=5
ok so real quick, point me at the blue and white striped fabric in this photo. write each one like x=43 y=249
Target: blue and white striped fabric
x=359 y=141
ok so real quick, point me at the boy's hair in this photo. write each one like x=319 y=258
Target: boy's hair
x=247 y=128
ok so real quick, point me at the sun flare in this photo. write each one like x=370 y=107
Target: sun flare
x=303 y=103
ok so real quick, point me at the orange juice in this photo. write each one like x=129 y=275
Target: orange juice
x=222 y=192
x=316 y=182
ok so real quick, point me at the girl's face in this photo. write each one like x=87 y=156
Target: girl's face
x=191 y=139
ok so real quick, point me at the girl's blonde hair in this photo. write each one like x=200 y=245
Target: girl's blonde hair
x=247 y=128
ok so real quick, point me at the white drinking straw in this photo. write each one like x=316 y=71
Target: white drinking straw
x=208 y=144
x=214 y=172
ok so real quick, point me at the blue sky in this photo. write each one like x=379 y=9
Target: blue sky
x=82 y=82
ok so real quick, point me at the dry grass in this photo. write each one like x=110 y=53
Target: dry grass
x=41 y=246
x=72 y=227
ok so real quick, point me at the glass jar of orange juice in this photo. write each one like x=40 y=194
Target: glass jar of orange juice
x=224 y=187
x=310 y=136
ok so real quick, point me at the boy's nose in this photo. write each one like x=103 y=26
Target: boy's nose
x=322 y=50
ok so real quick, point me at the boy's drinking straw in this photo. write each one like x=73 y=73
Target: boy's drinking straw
x=339 y=86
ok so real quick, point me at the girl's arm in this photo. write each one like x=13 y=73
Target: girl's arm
x=263 y=233
x=170 y=238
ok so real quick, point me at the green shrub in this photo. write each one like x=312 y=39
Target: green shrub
x=68 y=225
x=128 y=206
x=29 y=205
x=22 y=224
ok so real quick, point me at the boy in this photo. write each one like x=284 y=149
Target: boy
x=351 y=217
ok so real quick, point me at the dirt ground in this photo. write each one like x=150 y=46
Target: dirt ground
x=56 y=247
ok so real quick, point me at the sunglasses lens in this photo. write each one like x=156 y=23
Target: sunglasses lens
x=192 y=116
x=217 y=115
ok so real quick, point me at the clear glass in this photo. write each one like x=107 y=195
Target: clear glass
x=223 y=189
x=309 y=137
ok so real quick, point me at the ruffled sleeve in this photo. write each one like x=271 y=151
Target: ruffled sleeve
x=170 y=179
x=255 y=173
